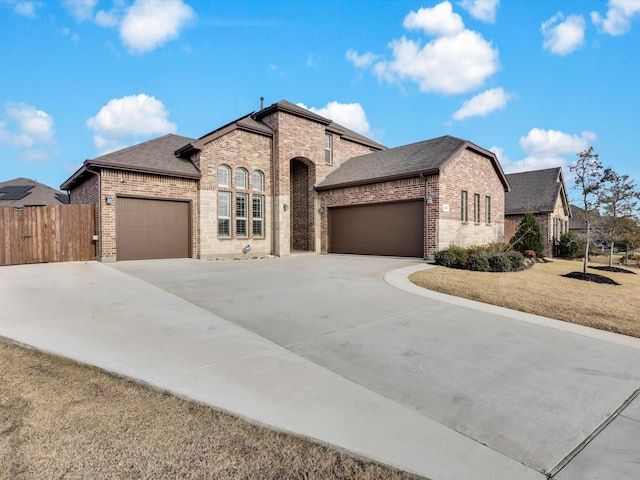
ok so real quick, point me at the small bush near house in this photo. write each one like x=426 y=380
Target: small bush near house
x=516 y=259
x=446 y=258
x=478 y=262
x=570 y=246
x=529 y=253
x=461 y=254
x=500 y=262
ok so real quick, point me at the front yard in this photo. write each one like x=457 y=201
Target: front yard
x=543 y=290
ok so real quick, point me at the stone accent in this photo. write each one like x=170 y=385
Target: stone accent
x=475 y=174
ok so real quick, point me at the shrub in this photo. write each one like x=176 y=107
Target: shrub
x=529 y=253
x=446 y=258
x=516 y=259
x=528 y=235
x=461 y=254
x=570 y=246
x=478 y=262
x=499 y=262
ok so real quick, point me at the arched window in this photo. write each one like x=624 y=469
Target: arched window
x=258 y=181
x=242 y=179
x=224 y=176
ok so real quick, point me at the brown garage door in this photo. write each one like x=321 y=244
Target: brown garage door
x=395 y=229
x=151 y=229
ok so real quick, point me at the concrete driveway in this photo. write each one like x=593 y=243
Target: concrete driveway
x=323 y=346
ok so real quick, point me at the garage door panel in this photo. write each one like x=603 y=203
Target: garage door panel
x=148 y=229
x=395 y=229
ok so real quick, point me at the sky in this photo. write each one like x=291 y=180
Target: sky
x=534 y=81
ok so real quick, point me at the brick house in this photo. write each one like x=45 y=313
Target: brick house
x=437 y=192
x=280 y=180
x=544 y=193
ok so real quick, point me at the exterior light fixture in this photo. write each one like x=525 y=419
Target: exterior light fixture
x=108 y=199
x=285 y=207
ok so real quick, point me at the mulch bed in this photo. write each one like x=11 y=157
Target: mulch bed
x=591 y=277
x=613 y=269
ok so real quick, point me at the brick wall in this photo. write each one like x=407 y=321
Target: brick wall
x=236 y=149
x=390 y=191
x=475 y=174
x=142 y=185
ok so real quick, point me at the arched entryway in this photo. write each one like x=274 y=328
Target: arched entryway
x=302 y=175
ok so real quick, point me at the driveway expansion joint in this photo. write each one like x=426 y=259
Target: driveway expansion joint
x=581 y=446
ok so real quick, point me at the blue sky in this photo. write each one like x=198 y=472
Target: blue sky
x=534 y=81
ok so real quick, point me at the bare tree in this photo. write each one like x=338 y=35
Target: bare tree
x=588 y=182
x=618 y=199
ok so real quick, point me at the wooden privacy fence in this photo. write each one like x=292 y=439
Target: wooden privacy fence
x=510 y=228
x=52 y=233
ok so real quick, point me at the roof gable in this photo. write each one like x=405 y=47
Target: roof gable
x=537 y=190
x=406 y=161
x=153 y=156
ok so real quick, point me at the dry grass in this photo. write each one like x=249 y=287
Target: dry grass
x=62 y=420
x=542 y=290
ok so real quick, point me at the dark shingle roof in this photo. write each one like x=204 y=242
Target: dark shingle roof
x=537 y=190
x=404 y=161
x=153 y=156
x=21 y=192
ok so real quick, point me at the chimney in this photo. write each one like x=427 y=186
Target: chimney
x=261 y=103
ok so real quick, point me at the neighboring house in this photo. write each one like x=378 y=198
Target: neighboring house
x=23 y=192
x=258 y=185
x=544 y=193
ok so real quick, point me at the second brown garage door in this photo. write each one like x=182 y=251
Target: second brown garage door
x=151 y=229
x=394 y=229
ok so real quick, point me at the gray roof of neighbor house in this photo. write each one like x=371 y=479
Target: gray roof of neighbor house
x=24 y=192
x=153 y=156
x=405 y=161
x=537 y=191
x=253 y=123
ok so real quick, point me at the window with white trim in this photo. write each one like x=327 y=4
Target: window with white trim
x=242 y=213
x=224 y=214
x=258 y=181
x=224 y=176
x=476 y=208
x=463 y=206
x=242 y=179
x=258 y=216
x=328 y=149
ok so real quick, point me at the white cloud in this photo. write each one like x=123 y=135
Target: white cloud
x=26 y=9
x=448 y=65
x=456 y=61
x=484 y=10
x=106 y=19
x=149 y=24
x=563 y=37
x=549 y=148
x=483 y=103
x=127 y=119
x=350 y=115
x=80 y=9
x=360 y=61
x=25 y=127
x=436 y=21
x=618 y=18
